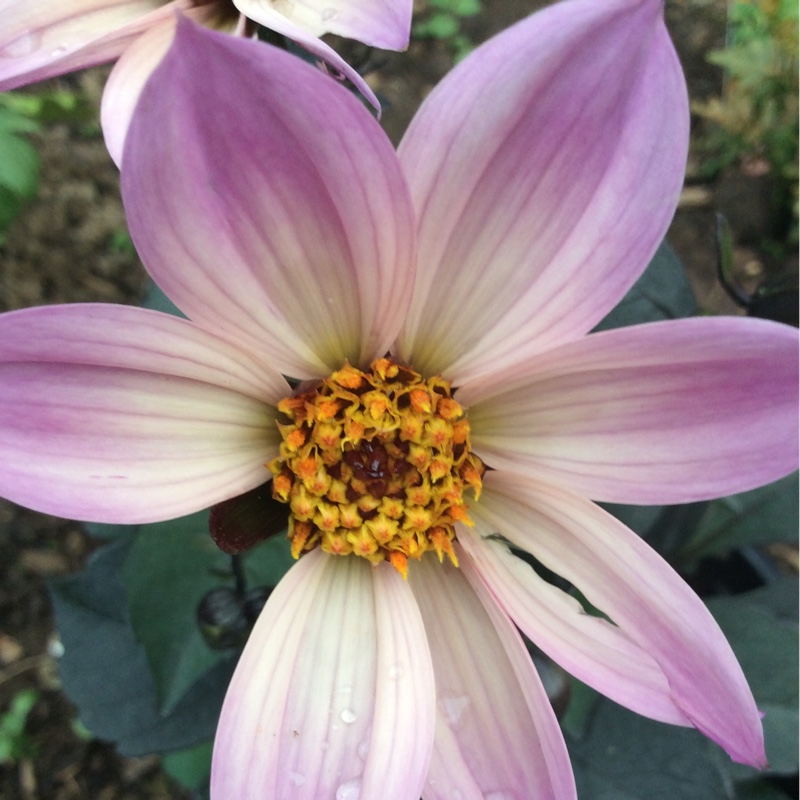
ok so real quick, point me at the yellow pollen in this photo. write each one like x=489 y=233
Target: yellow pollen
x=376 y=464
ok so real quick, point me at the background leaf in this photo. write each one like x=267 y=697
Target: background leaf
x=762 y=629
x=762 y=516
x=105 y=671
x=169 y=568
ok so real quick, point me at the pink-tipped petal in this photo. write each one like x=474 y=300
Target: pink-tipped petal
x=117 y=414
x=136 y=65
x=496 y=733
x=50 y=37
x=126 y=81
x=333 y=696
x=114 y=445
x=627 y=580
x=590 y=648
x=293 y=237
x=544 y=170
x=668 y=412
x=136 y=339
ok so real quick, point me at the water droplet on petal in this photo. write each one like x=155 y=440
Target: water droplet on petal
x=59 y=51
x=348 y=716
x=20 y=46
x=296 y=779
x=396 y=672
x=363 y=749
x=454 y=708
x=329 y=14
x=349 y=790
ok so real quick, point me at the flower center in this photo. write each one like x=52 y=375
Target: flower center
x=375 y=464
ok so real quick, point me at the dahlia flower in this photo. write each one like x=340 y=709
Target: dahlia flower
x=43 y=38
x=448 y=409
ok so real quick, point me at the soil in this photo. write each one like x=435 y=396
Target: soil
x=70 y=246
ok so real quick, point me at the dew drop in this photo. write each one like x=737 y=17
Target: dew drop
x=349 y=790
x=363 y=749
x=296 y=779
x=329 y=14
x=348 y=716
x=59 y=51
x=20 y=46
x=396 y=672
x=454 y=708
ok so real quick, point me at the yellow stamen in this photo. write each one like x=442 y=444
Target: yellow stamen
x=376 y=464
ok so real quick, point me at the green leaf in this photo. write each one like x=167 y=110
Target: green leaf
x=12 y=122
x=762 y=516
x=105 y=672
x=267 y=563
x=192 y=767
x=623 y=756
x=437 y=26
x=171 y=565
x=461 y=8
x=19 y=166
x=14 y=743
x=100 y=530
x=158 y=301
x=765 y=640
x=759 y=789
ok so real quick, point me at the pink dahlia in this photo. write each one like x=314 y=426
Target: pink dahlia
x=43 y=38
x=433 y=306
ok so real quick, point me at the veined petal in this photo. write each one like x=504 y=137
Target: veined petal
x=544 y=171
x=627 y=580
x=135 y=339
x=305 y=21
x=50 y=37
x=294 y=244
x=496 y=733
x=136 y=64
x=380 y=23
x=590 y=648
x=333 y=695
x=110 y=444
x=667 y=412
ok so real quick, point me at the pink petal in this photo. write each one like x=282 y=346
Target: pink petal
x=333 y=695
x=544 y=169
x=627 y=580
x=50 y=37
x=380 y=23
x=590 y=648
x=295 y=244
x=662 y=413
x=126 y=81
x=134 y=339
x=496 y=733
x=117 y=414
x=136 y=65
